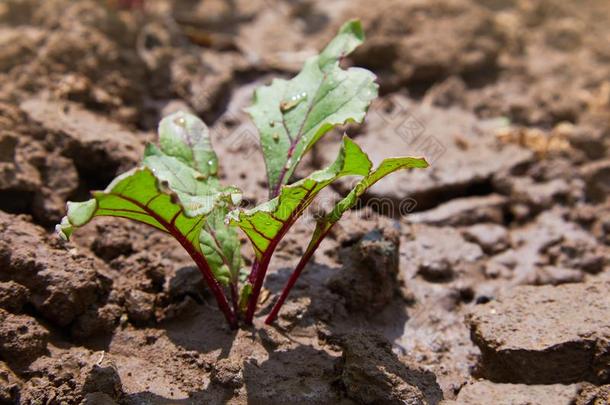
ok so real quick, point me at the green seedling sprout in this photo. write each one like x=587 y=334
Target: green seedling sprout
x=177 y=190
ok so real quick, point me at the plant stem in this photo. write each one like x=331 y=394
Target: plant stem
x=197 y=257
x=221 y=299
x=208 y=276
x=234 y=298
x=260 y=269
x=294 y=277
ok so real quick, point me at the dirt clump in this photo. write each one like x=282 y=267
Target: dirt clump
x=140 y=306
x=69 y=377
x=397 y=382
x=13 y=296
x=597 y=178
x=228 y=373
x=35 y=178
x=369 y=279
x=22 y=338
x=9 y=385
x=91 y=141
x=61 y=284
x=112 y=241
x=535 y=335
x=105 y=380
x=187 y=281
x=485 y=392
x=97 y=320
x=98 y=39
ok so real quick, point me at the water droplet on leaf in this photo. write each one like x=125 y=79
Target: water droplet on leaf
x=287 y=105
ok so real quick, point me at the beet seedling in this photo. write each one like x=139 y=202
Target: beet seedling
x=177 y=190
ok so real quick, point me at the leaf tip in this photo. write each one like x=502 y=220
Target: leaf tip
x=79 y=213
x=353 y=27
x=423 y=163
x=64 y=229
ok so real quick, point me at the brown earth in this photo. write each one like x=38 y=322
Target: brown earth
x=482 y=280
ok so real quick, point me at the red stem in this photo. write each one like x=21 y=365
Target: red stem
x=197 y=257
x=234 y=299
x=293 y=279
x=213 y=285
x=259 y=268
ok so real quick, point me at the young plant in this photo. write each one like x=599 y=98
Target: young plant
x=177 y=190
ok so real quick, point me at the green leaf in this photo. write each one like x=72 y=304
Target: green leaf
x=196 y=192
x=386 y=167
x=221 y=247
x=179 y=178
x=187 y=163
x=187 y=138
x=267 y=223
x=293 y=115
x=244 y=296
x=139 y=196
